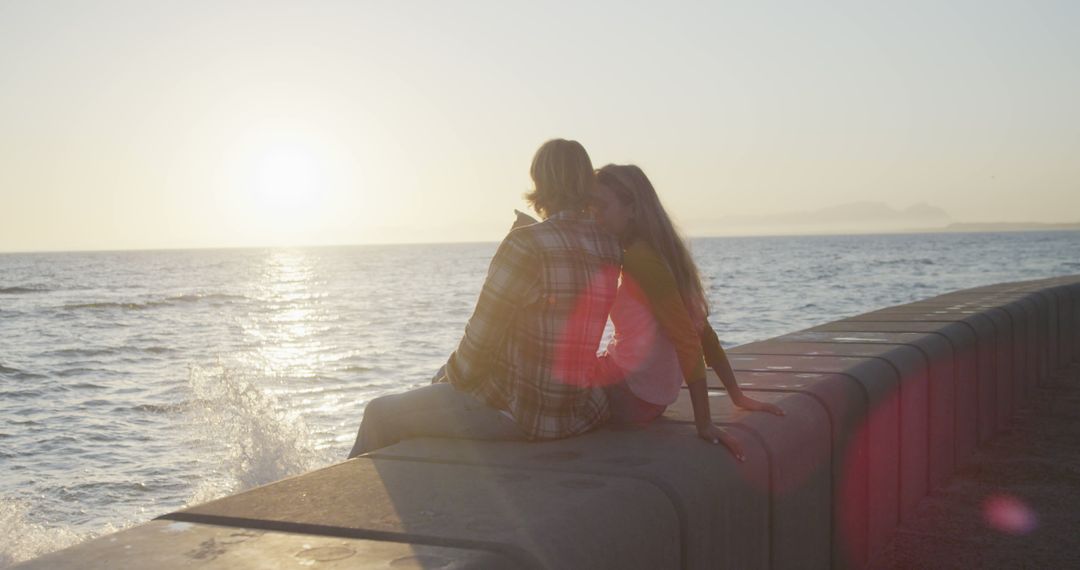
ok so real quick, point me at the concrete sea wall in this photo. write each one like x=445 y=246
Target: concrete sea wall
x=881 y=408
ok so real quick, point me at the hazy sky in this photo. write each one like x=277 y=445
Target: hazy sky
x=206 y=124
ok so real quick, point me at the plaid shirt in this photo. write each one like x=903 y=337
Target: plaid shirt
x=530 y=345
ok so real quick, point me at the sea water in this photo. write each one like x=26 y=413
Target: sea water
x=135 y=383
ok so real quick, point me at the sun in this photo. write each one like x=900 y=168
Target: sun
x=287 y=190
x=294 y=186
x=288 y=178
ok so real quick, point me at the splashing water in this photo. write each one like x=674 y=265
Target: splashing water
x=250 y=438
x=25 y=539
x=257 y=439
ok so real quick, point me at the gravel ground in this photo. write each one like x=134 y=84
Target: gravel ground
x=1016 y=504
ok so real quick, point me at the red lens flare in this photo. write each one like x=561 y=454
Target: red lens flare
x=1009 y=515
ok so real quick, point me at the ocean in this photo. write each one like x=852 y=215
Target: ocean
x=135 y=383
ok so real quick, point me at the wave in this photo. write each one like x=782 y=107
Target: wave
x=21 y=394
x=108 y=305
x=195 y=297
x=18 y=374
x=85 y=386
x=916 y=261
x=25 y=539
x=22 y=290
x=215 y=298
x=155 y=408
x=80 y=371
x=259 y=440
x=105 y=351
x=253 y=439
x=68 y=352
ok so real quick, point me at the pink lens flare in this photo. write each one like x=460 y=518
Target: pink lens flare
x=1009 y=515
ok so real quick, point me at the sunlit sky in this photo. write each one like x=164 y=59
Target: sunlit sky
x=144 y=125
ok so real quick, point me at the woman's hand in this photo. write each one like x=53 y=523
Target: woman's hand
x=717 y=435
x=752 y=405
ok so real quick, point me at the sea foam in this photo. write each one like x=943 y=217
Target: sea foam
x=25 y=539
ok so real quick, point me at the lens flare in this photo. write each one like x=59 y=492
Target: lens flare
x=1009 y=515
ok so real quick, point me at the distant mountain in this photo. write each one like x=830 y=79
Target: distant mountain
x=869 y=212
x=1010 y=227
x=850 y=217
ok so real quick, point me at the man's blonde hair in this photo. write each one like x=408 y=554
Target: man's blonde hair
x=562 y=176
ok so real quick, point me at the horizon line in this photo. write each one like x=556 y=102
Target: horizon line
x=1067 y=228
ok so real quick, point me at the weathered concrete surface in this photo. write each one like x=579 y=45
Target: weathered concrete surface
x=846 y=403
x=1062 y=331
x=879 y=384
x=939 y=359
x=1001 y=347
x=1025 y=318
x=723 y=505
x=1041 y=309
x=962 y=343
x=911 y=368
x=1069 y=287
x=1057 y=298
x=538 y=519
x=985 y=334
x=172 y=544
x=799 y=482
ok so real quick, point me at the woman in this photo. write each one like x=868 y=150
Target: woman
x=662 y=334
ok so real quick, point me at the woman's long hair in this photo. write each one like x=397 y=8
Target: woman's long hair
x=650 y=222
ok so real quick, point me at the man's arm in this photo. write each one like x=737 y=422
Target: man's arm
x=511 y=278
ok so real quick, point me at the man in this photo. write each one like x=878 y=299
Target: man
x=525 y=368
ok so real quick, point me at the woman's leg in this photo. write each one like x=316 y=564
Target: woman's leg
x=438 y=410
x=627 y=409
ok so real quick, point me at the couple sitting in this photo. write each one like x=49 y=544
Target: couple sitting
x=527 y=367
